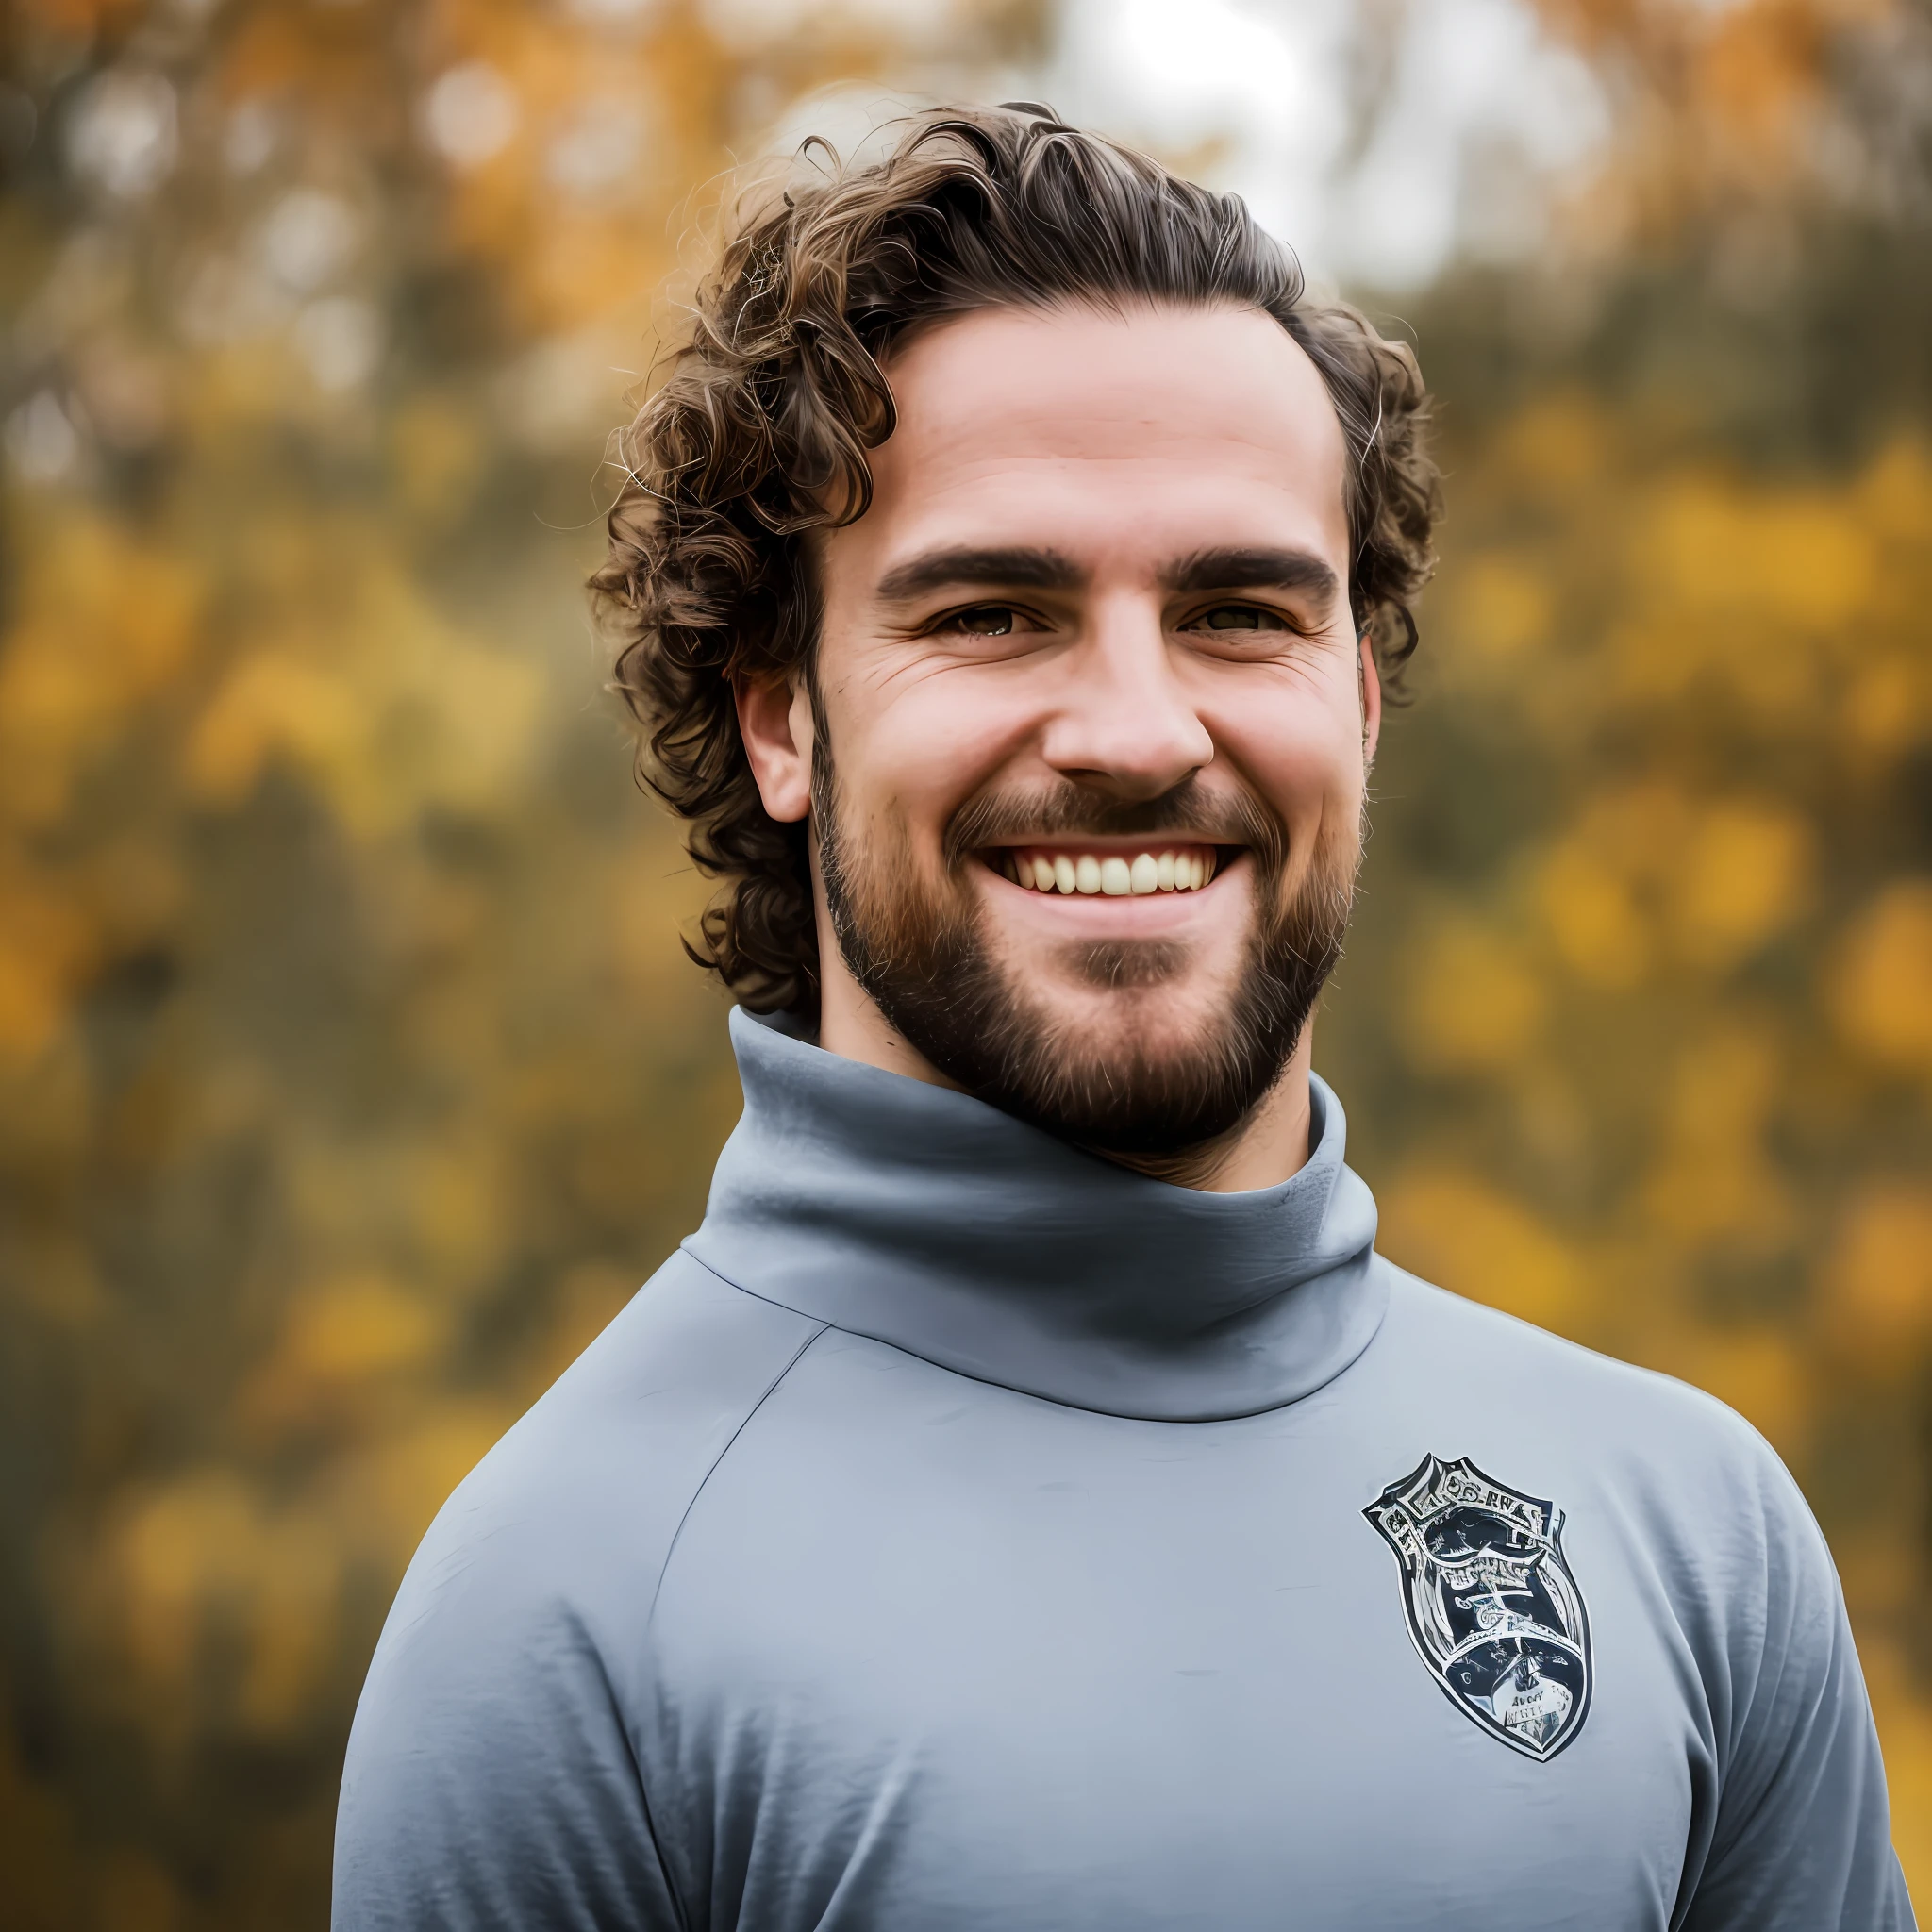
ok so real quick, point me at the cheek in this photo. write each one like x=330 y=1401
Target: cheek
x=917 y=753
x=1301 y=749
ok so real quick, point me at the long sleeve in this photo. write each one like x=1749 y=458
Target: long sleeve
x=1802 y=1840
x=493 y=1777
x=490 y=1782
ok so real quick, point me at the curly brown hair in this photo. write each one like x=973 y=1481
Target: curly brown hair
x=758 y=437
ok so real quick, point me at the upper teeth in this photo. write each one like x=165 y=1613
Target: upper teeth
x=1112 y=874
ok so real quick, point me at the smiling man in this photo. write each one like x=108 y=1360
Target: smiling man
x=1029 y=1501
x=1086 y=767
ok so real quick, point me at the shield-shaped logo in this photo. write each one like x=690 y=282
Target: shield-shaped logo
x=1492 y=1608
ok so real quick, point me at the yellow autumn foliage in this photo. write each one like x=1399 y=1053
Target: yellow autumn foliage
x=1880 y=995
x=1454 y=1228
x=1876 y=1282
x=351 y=1075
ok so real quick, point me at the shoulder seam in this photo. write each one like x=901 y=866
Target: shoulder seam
x=670 y=1548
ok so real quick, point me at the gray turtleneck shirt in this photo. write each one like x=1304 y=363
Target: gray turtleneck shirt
x=960 y=1532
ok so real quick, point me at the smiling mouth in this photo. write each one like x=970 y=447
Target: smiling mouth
x=1068 y=870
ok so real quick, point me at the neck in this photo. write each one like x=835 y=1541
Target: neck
x=896 y=1208
x=1265 y=1148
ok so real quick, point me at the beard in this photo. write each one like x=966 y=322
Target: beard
x=919 y=948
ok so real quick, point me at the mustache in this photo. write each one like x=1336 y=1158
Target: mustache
x=1214 y=818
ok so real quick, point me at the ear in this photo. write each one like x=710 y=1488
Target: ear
x=1372 y=702
x=775 y=723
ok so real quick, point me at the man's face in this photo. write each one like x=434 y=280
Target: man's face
x=1091 y=735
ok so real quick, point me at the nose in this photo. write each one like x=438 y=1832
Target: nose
x=1127 y=726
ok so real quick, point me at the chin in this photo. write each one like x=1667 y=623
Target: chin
x=1125 y=1061
x=1166 y=993
x=1143 y=1025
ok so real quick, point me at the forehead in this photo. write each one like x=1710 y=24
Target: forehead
x=1128 y=439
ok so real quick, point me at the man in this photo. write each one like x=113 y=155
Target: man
x=1029 y=1501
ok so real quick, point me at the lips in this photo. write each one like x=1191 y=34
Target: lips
x=1116 y=874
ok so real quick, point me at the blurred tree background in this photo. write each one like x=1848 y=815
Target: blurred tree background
x=350 y=1073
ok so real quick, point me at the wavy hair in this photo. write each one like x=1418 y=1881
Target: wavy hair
x=758 y=433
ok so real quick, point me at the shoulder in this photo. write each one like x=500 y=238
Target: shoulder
x=490 y=1769
x=1430 y=1330
x=1678 y=1516
x=655 y=1397
x=575 y=1511
x=1675 y=1459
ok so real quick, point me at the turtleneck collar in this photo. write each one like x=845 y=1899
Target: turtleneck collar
x=928 y=1219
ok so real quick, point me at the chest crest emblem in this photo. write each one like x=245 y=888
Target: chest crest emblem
x=1491 y=1605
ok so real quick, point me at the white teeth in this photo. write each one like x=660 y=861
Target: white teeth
x=1115 y=877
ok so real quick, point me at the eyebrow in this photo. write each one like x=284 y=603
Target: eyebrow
x=1018 y=566
x=1023 y=567
x=1252 y=569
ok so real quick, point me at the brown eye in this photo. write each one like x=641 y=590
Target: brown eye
x=984 y=621
x=1243 y=617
